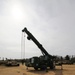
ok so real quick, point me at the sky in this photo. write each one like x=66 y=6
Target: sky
x=52 y=22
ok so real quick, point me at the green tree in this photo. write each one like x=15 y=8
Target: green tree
x=67 y=57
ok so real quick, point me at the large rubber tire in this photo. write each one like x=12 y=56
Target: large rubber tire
x=52 y=66
x=43 y=67
x=36 y=68
x=18 y=64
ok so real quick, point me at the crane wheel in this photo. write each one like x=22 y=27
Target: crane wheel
x=36 y=68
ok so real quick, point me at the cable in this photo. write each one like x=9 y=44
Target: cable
x=23 y=46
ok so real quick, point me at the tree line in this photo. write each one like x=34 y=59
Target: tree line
x=68 y=59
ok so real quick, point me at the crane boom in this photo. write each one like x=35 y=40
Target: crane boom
x=30 y=36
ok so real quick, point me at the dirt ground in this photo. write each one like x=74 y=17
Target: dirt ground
x=21 y=70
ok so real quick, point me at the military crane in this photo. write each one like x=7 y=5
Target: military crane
x=42 y=62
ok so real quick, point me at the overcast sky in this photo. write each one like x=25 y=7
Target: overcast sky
x=52 y=22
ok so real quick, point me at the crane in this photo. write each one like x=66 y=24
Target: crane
x=42 y=62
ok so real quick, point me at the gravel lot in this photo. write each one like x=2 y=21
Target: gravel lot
x=21 y=70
